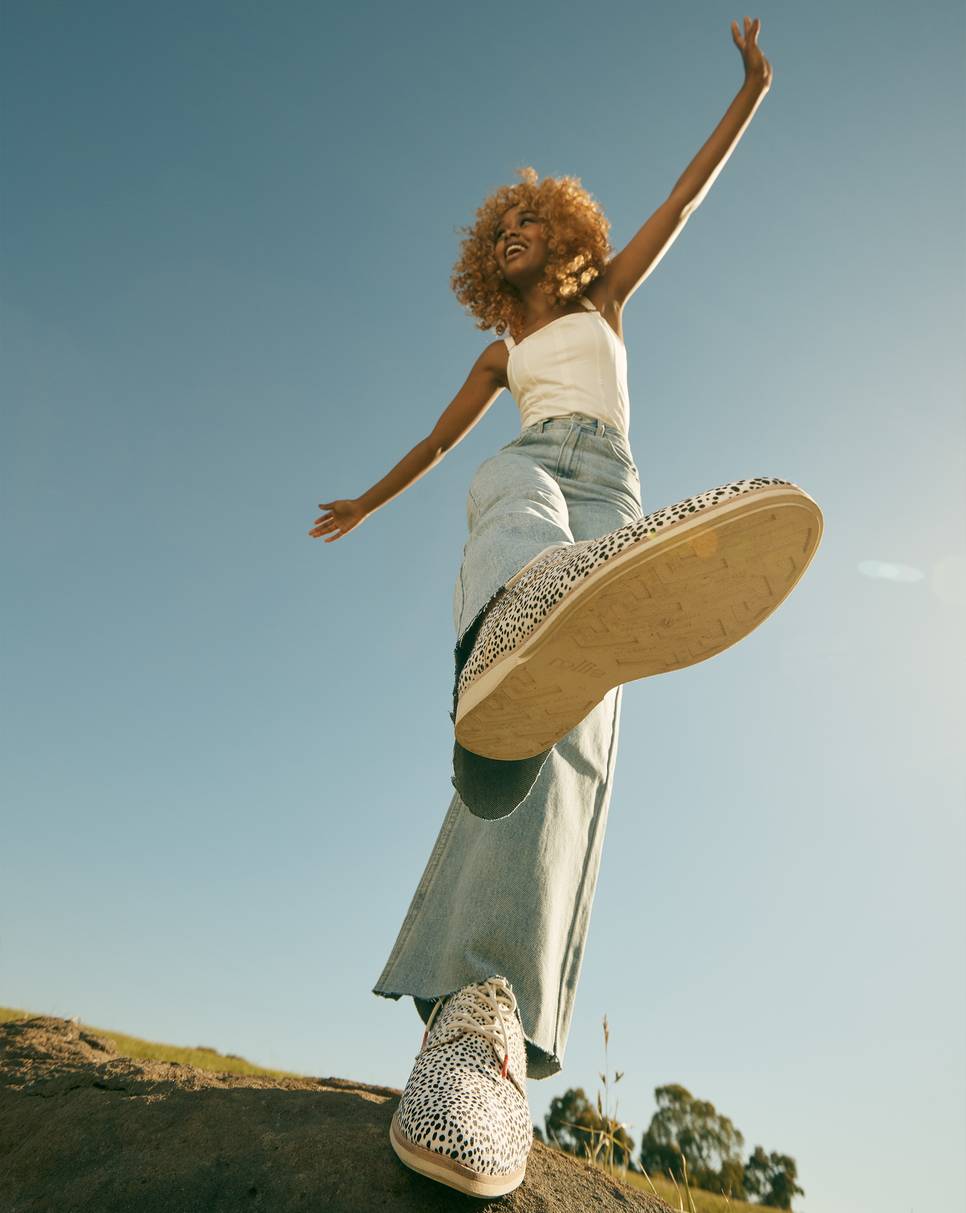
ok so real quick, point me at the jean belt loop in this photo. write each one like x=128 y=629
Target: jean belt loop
x=600 y=428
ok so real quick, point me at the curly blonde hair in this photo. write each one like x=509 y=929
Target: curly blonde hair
x=578 y=248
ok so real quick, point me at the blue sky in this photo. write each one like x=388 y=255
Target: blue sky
x=227 y=239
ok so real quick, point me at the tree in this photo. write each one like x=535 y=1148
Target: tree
x=731 y=1179
x=771 y=1177
x=709 y=1142
x=570 y=1121
x=576 y=1126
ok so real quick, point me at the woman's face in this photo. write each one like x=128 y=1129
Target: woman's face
x=520 y=246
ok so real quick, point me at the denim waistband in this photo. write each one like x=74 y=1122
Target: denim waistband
x=582 y=420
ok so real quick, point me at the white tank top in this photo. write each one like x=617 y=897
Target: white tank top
x=574 y=364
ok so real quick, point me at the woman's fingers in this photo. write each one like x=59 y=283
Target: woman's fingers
x=332 y=525
x=342 y=518
x=751 y=31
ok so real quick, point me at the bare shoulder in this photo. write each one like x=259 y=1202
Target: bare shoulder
x=493 y=361
x=609 y=307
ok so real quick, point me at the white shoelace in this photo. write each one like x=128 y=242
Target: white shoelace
x=483 y=1017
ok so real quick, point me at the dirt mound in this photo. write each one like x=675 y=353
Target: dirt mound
x=85 y=1129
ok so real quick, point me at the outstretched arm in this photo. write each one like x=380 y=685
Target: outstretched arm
x=483 y=384
x=631 y=266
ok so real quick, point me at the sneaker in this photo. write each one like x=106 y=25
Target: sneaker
x=658 y=594
x=464 y=1118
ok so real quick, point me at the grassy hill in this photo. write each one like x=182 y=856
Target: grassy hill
x=693 y=1200
x=201 y=1057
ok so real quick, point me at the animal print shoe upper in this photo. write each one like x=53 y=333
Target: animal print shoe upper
x=521 y=608
x=466 y=1097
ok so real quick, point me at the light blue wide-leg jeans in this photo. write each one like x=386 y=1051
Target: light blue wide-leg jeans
x=509 y=886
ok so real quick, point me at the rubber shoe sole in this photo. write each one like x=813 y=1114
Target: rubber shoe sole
x=447 y=1171
x=664 y=603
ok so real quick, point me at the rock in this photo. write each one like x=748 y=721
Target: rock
x=84 y=1129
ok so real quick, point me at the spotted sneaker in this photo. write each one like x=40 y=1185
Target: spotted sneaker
x=464 y=1118
x=658 y=594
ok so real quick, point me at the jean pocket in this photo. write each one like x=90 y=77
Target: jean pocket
x=619 y=448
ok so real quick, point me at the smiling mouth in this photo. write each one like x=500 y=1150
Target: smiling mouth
x=514 y=249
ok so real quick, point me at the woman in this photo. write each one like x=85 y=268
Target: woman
x=566 y=591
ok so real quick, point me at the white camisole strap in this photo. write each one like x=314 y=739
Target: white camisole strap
x=584 y=302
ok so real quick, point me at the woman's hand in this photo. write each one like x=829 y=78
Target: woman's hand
x=344 y=516
x=757 y=66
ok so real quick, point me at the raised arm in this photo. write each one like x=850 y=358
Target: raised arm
x=483 y=384
x=631 y=266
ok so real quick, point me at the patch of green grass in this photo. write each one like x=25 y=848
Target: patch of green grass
x=686 y=1200
x=133 y=1046
x=698 y=1199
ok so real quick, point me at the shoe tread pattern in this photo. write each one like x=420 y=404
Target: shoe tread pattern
x=683 y=605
